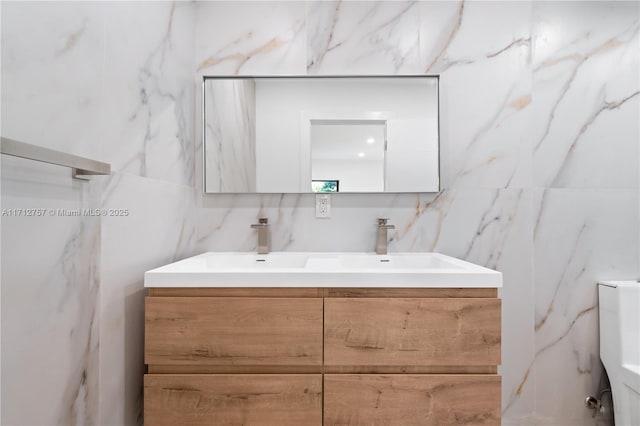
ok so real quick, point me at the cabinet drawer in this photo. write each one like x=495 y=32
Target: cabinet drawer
x=412 y=332
x=224 y=399
x=227 y=331
x=407 y=400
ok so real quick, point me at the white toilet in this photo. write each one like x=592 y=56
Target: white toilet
x=620 y=346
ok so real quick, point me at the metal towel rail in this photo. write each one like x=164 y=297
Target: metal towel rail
x=83 y=168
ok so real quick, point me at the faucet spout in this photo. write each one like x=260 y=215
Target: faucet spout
x=381 y=238
x=263 y=235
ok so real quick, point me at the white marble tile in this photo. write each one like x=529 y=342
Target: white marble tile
x=52 y=69
x=458 y=33
x=353 y=222
x=481 y=51
x=52 y=97
x=440 y=25
x=159 y=229
x=149 y=90
x=223 y=222
x=49 y=296
x=250 y=38
x=587 y=94
x=375 y=37
x=581 y=237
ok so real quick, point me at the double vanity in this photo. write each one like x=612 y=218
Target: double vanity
x=296 y=339
x=322 y=339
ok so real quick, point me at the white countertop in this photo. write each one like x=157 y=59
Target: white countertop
x=308 y=269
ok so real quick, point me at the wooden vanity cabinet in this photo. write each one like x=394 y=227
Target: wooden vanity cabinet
x=233 y=399
x=411 y=399
x=216 y=332
x=411 y=332
x=300 y=356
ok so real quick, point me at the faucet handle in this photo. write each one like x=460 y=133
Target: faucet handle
x=382 y=220
x=263 y=222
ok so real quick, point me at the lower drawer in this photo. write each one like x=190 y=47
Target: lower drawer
x=407 y=400
x=230 y=399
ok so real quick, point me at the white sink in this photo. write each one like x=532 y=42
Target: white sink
x=291 y=269
x=400 y=261
x=241 y=261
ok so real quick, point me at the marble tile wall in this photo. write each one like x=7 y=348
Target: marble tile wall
x=149 y=63
x=50 y=308
x=112 y=81
x=162 y=223
x=540 y=159
x=250 y=37
x=586 y=103
x=52 y=73
x=149 y=104
x=50 y=264
x=363 y=38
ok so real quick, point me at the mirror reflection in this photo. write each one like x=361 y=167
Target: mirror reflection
x=321 y=134
x=350 y=153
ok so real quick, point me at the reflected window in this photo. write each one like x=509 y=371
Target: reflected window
x=325 y=186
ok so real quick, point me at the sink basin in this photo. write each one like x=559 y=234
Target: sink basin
x=241 y=261
x=402 y=261
x=296 y=269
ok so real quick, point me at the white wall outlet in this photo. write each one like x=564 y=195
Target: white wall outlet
x=323 y=205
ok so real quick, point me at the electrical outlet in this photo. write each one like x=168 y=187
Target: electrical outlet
x=323 y=205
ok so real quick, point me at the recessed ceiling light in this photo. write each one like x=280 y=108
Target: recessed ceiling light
x=361 y=154
x=371 y=140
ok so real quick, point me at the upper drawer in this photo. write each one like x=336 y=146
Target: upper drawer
x=412 y=332
x=230 y=331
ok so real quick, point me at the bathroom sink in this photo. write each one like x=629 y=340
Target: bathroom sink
x=308 y=269
x=399 y=262
x=240 y=261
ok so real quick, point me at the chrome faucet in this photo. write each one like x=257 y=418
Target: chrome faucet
x=263 y=235
x=381 y=240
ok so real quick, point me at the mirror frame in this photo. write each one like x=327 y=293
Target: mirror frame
x=342 y=76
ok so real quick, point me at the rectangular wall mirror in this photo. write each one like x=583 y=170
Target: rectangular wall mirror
x=321 y=134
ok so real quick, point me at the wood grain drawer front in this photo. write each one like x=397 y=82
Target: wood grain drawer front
x=407 y=400
x=229 y=331
x=412 y=332
x=222 y=399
